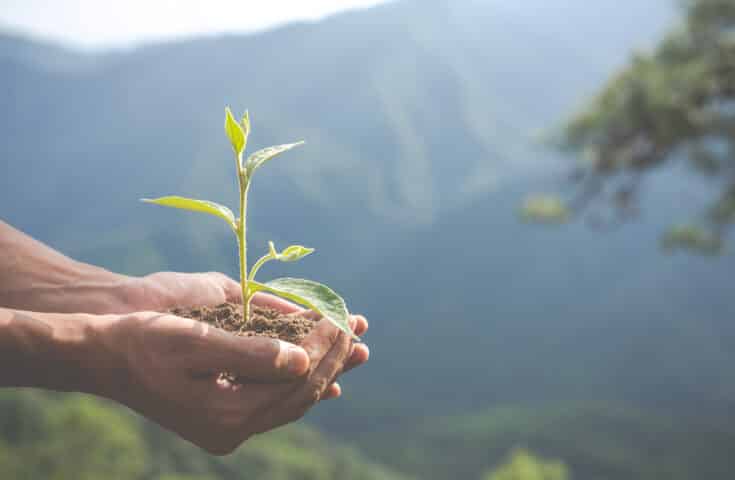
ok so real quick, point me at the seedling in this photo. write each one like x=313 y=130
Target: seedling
x=315 y=296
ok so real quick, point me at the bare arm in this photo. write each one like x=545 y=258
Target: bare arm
x=35 y=277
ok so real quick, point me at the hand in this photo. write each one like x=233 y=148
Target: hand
x=164 y=290
x=171 y=367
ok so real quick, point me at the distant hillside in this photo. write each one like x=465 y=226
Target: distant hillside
x=79 y=437
x=409 y=109
x=419 y=118
x=596 y=442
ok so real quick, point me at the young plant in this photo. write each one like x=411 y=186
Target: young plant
x=317 y=297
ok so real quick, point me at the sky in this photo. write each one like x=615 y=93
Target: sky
x=101 y=24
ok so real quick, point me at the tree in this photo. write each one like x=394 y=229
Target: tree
x=522 y=465
x=672 y=105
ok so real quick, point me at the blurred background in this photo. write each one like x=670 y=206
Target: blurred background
x=529 y=200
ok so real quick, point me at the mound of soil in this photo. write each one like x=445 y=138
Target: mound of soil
x=265 y=322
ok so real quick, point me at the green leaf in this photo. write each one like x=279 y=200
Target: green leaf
x=320 y=298
x=205 y=206
x=544 y=208
x=246 y=124
x=261 y=156
x=234 y=132
x=290 y=254
x=293 y=253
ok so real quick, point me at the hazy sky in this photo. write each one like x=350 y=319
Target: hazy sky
x=106 y=23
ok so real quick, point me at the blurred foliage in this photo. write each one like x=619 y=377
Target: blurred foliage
x=595 y=440
x=76 y=437
x=523 y=465
x=677 y=102
x=544 y=208
x=68 y=436
x=692 y=237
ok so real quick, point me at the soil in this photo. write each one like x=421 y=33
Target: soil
x=265 y=322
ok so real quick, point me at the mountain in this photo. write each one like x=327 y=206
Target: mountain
x=420 y=119
x=409 y=86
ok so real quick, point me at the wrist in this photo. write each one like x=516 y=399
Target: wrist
x=56 y=351
x=93 y=290
x=99 y=355
x=83 y=288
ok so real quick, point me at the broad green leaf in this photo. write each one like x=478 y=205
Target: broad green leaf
x=320 y=298
x=205 y=206
x=261 y=156
x=234 y=132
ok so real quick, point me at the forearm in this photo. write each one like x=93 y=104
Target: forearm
x=62 y=352
x=35 y=277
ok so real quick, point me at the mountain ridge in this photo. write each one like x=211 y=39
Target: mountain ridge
x=418 y=123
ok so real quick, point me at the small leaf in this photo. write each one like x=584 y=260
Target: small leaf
x=234 y=132
x=205 y=206
x=246 y=124
x=544 y=208
x=320 y=298
x=261 y=156
x=293 y=253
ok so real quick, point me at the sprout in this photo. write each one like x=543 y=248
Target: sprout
x=310 y=294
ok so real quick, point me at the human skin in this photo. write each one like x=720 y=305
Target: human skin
x=163 y=366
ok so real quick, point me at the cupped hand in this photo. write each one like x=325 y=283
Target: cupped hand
x=169 y=370
x=162 y=291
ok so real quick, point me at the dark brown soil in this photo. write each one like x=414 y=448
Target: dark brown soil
x=265 y=322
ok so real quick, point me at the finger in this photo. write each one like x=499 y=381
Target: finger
x=252 y=359
x=333 y=391
x=233 y=294
x=360 y=355
x=323 y=375
x=271 y=301
x=186 y=289
x=316 y=344
x=361 y=325
x=295 y=404
x=320 y=341
x=231 y=289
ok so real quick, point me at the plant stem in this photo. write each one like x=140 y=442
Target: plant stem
x=257 y=266
x=243 y=249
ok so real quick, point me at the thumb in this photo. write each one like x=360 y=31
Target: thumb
x=231 y=289
x=255 y=359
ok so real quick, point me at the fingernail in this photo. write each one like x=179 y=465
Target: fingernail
x=298 y=360
x=352 y=322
